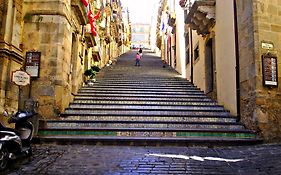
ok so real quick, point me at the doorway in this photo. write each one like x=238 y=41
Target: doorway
x=210 y=69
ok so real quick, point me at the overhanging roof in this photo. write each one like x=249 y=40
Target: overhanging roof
x=201 y=16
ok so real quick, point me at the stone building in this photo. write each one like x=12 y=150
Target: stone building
x=55 y=29
x=114 y=31
x=259 y=24
x=243 y=77
x=170 y=35
x=141 y=35
x=11 y=51
x=55 y=34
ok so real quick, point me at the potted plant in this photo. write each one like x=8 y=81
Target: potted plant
x=90 y=74
x=95 y=68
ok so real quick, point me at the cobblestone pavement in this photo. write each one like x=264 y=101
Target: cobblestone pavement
x=129 y=160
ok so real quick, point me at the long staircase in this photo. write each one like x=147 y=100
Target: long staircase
x=146 y=105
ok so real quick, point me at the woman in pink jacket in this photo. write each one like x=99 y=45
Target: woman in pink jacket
x=138 y=57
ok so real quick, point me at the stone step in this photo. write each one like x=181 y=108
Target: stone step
x=139 y=92
x=85 y=111
x=148 y=118
x=130 y=78
x=147 y=141
x=150 y=85
x=148 y=132
x=141 y=124
x=183 y=96
x=146 y=107
x=140 y=89
x=199 y=99
x=125 y=77
x=138 y=102
x=142 y=83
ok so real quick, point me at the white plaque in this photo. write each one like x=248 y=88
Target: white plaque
x=21 y=78
x=268 y=46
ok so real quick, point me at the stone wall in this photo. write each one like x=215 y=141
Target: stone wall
x=259 y=21
x=267 y=23
x=10 y=52
x=247 y=61
x=49 y=29
x=3 y=11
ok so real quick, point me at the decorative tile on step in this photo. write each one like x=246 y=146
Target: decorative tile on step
x=150 y=133
x=136 y=124
x=133 y=106
x=151 y=118
x=182 y=113
x=144 y=102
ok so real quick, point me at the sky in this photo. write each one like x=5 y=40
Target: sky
x=140 y=10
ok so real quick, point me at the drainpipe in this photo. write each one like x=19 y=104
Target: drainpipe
x=237 y=66
x=191 y=55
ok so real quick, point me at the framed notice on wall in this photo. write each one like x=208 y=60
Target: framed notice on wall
x=269 y=70
x=32 y=64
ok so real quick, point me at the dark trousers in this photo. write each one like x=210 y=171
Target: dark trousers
x=137 y=62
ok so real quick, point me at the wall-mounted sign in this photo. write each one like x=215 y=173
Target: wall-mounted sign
x=269 y=70
x=32 y=65
x=268 y=46
x=20 y=78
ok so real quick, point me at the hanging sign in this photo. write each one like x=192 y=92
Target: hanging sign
x=32 y=65
x=20 y=78
x=269 y=70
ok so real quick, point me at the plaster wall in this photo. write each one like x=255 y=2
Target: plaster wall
x=180 y=42
x=198 y=63
x=225 y=55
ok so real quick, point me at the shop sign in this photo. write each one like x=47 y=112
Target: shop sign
x=269 y=70
x=32 y=65
x=21 y=78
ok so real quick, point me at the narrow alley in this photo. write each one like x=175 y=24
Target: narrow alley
x=134 y=87
x=84 y=158
x=144 y=105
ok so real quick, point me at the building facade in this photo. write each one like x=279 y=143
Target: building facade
x=140 y=35
x=232 y=53
x=259 y=39
x=11 y=51
x=170 y=35
x=56 y=34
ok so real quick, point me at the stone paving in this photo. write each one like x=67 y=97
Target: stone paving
x=127 y=160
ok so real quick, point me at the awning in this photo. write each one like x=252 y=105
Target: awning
x=201 y=16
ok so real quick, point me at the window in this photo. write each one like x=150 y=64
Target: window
x=196 y=52
x=187 y=57
x=141 y=29
x=186 y=39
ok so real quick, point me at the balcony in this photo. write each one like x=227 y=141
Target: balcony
x=78 y=7
x=201 y=16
